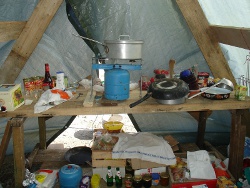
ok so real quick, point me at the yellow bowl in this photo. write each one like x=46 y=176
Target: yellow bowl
x=113 y=126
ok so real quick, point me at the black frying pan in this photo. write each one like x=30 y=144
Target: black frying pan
x=166 y=91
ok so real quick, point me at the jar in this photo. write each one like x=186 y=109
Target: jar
x=155 y=178
x=128 y=180
x=137 y=181
x=147 y=180
x=164 y=179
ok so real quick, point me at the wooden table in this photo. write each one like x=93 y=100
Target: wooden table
x=75 y=107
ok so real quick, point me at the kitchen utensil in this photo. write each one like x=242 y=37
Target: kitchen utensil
x=121 y=49
x=221 y=83
x=79 y=155
x=166 y=91
x=171 y=68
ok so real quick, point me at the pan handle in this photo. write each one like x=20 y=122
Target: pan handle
x=145 y=97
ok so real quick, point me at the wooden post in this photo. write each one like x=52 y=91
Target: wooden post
x=18 y=150
x=237 y=140
x=42 y=132
x=5 y=142
x=201 y=129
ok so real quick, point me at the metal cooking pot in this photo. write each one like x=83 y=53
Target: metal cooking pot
x=166 y=91
x=124 y=48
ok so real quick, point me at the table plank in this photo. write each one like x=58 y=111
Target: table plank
x=75 y=106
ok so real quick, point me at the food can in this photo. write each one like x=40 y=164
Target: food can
x=203 y=79
x=29 y=85
x=38 y=82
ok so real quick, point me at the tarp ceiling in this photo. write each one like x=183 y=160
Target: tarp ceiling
x=159 y=24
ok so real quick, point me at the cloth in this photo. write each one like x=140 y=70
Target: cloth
x=49 y=99
x=199 y=165
x=144 y=146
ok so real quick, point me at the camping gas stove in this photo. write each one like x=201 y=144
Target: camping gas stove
x=116 y=79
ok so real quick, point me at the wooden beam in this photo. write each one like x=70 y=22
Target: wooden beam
x=205 y=38
x=18 y=150
x=234 y=36
x=5 y=142
x=28 y=39
x=10 y=30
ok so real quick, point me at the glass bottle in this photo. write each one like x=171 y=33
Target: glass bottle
x=109 y=177
x=118 y=178
x=128 y=181
x=47 y=81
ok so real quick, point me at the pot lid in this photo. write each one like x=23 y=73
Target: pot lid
x=123 y=42
x=216 y=90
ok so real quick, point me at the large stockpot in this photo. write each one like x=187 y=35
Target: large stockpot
x=166 y=91
x=123 y=48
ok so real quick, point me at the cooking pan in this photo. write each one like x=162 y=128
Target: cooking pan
x=166 y=91
x=123 y=48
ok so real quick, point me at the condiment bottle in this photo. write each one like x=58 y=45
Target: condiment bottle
x=137 y=181
x=164 y=179
x=147 y=180
x=47 y=81
x=109 y=177
x=118 y=178
x=128 y=181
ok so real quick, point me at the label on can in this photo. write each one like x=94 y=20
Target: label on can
x=29 y=85
x=203 y=79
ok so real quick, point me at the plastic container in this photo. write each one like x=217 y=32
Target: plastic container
x=95 y=181
x=155 y=178
x=70 y=176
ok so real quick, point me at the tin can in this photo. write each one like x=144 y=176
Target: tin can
x=128 y=180
x=38 y=82
x=29 y=85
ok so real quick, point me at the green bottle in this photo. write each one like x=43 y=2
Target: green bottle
x=109 y=177
x=118 y=178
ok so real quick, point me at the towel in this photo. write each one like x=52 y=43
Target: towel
x=144 y=146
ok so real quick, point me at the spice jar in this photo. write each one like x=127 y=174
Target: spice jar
x=137 y=181
x=128 y=180
x=147 y=180
x=164 y=179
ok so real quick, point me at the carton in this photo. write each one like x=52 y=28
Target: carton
x=11 y=96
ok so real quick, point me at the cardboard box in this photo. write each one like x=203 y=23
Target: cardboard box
x=11 y=96
x=224 y=182
x=141 y=164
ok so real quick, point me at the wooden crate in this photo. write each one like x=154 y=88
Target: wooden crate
x=104 y=159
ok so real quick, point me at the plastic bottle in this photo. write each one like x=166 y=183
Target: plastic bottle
x=118 y=178
x=47 y=81
x=109 y=177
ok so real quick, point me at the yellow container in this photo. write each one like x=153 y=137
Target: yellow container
x=95 y=181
